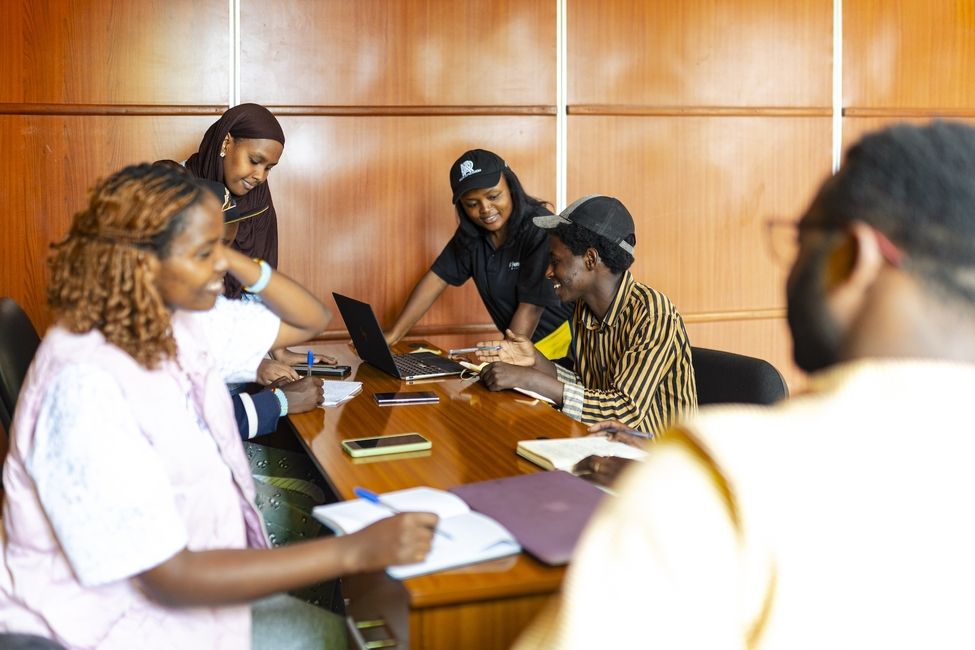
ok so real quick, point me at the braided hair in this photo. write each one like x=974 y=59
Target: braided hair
x=104 y=273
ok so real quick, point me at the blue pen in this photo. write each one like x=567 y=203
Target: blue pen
x=311 y=361
x=374 y=498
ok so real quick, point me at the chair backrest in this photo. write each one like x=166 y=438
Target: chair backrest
x=726 y=377
x=18 y=344
x=18 y=641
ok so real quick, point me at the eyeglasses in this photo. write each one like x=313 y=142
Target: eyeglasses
x=783 y=240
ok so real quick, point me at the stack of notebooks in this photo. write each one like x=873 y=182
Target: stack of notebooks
x=339 y=392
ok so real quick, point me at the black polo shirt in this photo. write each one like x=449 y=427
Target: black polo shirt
x=506 y=277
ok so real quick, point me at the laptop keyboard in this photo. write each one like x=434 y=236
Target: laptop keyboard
x=409 y=365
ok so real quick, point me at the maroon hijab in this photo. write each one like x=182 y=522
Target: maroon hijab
x=257 y=235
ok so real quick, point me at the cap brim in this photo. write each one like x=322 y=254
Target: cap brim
x=477 y=182
x=549 y=221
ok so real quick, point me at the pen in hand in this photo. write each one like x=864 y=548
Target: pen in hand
x=311 y=361
x=374 y=498
x=626 y=432
x=611 y=428
x=476 y=348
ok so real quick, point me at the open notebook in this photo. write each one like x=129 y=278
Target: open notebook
x=339 y=392
x=564 y=453
x=469 y=537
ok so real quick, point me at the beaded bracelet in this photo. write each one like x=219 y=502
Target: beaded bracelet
x=262 y=281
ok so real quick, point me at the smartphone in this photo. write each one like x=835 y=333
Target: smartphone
x=406 y=397
x=394 y=444
x=323 y=369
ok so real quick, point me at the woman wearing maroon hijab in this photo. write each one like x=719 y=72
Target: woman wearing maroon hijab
x=239 y=150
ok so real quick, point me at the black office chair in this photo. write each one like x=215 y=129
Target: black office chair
x=726 y=377
x=18 y=344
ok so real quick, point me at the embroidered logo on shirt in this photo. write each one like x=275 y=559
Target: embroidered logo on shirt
x=514 y=266
x=466 y=169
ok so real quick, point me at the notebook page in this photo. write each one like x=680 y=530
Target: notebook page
x=337 y=392
x=355 y=514
x=564 y=453
x=473 y=537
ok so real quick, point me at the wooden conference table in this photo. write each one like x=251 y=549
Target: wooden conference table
x=474 y=433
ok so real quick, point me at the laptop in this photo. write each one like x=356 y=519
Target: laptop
x=370 y=345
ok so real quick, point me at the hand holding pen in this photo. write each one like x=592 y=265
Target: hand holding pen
x=300 y=358
x=455 y=351
x=616 y=430
x=404 y=538
x=514 y=349
x=374 y=498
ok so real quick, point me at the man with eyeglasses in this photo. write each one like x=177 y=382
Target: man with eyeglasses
x=841 y=518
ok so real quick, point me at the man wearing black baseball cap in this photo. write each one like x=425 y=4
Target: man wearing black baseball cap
x=630 y=349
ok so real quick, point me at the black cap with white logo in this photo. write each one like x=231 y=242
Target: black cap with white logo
x=476 y=169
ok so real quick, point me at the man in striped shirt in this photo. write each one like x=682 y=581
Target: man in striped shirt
x=629 y=346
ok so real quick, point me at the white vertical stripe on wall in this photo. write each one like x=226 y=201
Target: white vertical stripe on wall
x=234 y=52
x=561 y=117
x=837 y=83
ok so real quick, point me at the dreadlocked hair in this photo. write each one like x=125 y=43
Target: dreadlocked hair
x=103 y=274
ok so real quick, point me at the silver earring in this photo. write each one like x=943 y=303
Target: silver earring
x=223 y=153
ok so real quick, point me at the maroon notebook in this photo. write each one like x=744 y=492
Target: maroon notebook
x=545 y=511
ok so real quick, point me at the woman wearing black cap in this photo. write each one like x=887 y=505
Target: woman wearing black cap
x=497 y=244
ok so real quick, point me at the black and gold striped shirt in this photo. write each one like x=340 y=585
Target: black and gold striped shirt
x=634 y=365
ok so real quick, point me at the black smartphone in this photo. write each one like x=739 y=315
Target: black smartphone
x=406 y=397
x=323 y=369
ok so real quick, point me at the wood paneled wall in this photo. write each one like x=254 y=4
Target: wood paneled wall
x=705 y=118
